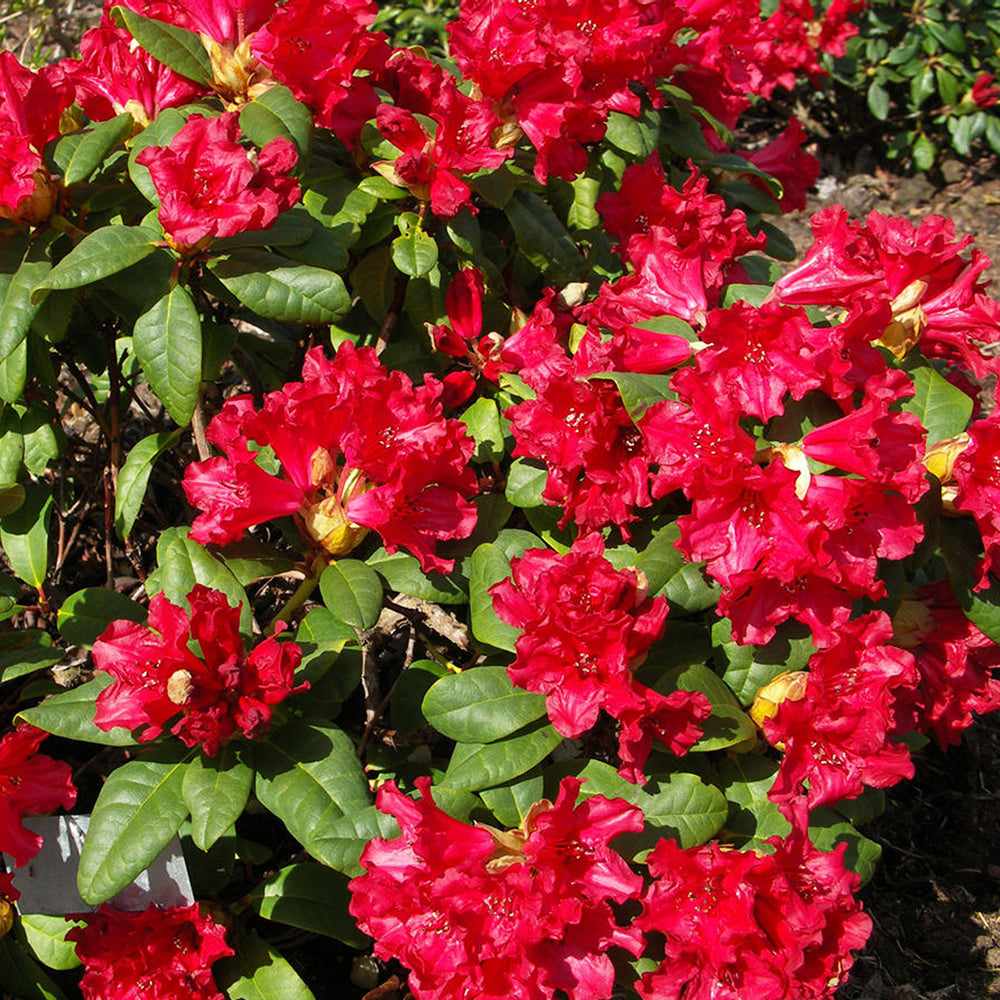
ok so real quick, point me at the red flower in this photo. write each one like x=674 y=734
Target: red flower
x=475 y=911
x=211 y=186
x=157 y=677
x=985 y=91
x=158 y=954
x=784 y=159
x=30 y=783
x=977 y=473
x=586 y=626
x=739 y=925
x=360 y=449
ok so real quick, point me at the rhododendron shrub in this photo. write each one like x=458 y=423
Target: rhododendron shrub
x=418 y=473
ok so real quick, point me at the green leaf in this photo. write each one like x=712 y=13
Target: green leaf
x=182 y=562
x=313 y=898
x=276 y=113
x=25 y=650
x=258 y=972
x=489 y=565
x=728 y=725
x=216 y=790
x=95 y=145
x=962 y=549
x=415 y=253
x=21 y=976
x=748 y=668
x=24 y=535
x=140 y=807
x=345 y=838
x=133 y=477
x=309 y=775
x=87 y=613
x=481 y=765
x=671 y=326
x=480 y=705
x=167 y=341
x=405 y=708
x=878 y=100
x=158 y=132
x=745 y=780
x=16 y=315
x=510 y=802
x=14 y=373
x=175 y=47
x=485 y=427
x=941 y=407
x=99 y=254
x=276 y=288
x=46 y=936
x=660 y=560
x=525 y=483
x=690 y=590
x=543 y=239
x=71 y=715
x=639 y=392
x=322 y=636
x=635 y=136
x=828 y=829
x=402 y=573
x=352 y=591
x=924 y=153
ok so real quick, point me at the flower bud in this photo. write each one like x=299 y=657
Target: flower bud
x=789 y=686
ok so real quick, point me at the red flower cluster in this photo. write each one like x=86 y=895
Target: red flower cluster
x=157 y=677
x=475 y=911
x=839 y=736
x=360 y=449
x=158 y=954
x=587 y=626
x=211 y=186
x=977 y=474
x=738 y=925
x=30 y=783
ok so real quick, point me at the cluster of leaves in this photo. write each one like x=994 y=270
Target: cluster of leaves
x=916 y=66
x=111 y=318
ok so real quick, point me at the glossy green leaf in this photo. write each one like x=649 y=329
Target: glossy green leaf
x=309 y=775
x=71 y=715
x=182 y=562
x=402 y=573
x=216 y=790
x=277 y=288
x=258 y=972
x=489 y=565
x=352 y=591
x=43 y=439
x=167 y=342
x=175 y=47
x=510 y=802
x=276 y=113
x=525 y=483
x=480 y=705
x=941 y=407
x=140 y=807
x=415 y=253
x=322 y=636
x=25 y=650
x=46 y=936
x=313 y=898
x=747 y=668
x=95 y=145
x=485 y=426
x=87 y=613
x=481 y=765
x=828 y=829
x=16 y=315
x=133 y=477
x=250 y=560
x=638 y=391
x=405 y=708
x=543 y=239
x=99 y=254
x=660 y=560
x=690 y=590
x=745 y=780
x=24 y=535
x=878 y=100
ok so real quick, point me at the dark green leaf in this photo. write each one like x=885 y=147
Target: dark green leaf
x=728 y=725
x=175 y=47
x=25 y=650
x=510 y=802
x=352 y=591
x=344 y=838
x=489 y=565
x=878 y=100
x=133 y=477
x=95 y=145
x=924 y=153
x=276 y=288
x=525 y=483
x=415 y=253
x=87 y=613
x=139 y=809
x=249 y=560
x=322 y=636
x=16 y=316
x=962 y=549
x=543 y=239
x=408 y=695
x=402 y=573
x=167 y=342
x=481 y=765
x=24 y=535
x=745 y=780
x=21 y=976
x=313 y=898
x=275 y=114
x=480 y=705
x=827 y=830
x=99 y=254
x=689 y=589
x=216 y=791
x=258 y=972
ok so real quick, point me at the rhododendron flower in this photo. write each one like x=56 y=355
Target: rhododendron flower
x=211 y=186
x=985 y=91
x=955 y=662
x=784 y=159
x=30 y=783
x=839 y=737
x=360 y=449
x=213 y=695
x=156 y=954
x=741 y=925
x=462 y=338
x=474 y=911
x=977 y=475
x=586 y=627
